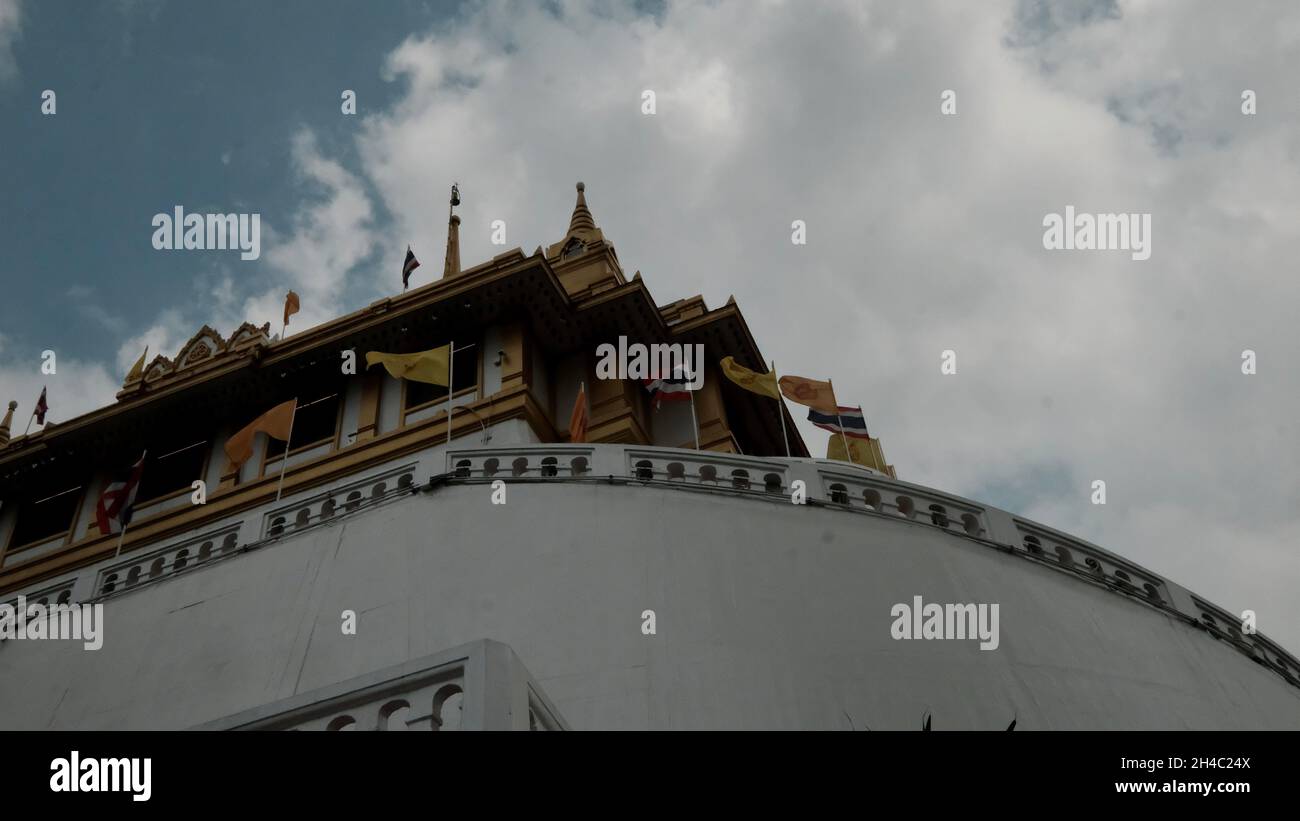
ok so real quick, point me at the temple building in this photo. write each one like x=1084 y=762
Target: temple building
x=420 y=556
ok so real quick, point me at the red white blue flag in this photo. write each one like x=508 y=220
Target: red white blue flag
x=113 y=511
x=849 y=422
x=408 y=266
x=675 y=389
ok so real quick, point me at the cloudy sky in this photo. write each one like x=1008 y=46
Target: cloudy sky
x=924 y=231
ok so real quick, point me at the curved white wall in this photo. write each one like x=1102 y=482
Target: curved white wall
x=768 y=616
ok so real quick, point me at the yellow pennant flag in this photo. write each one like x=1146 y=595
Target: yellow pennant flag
x=760 y=383
x=277 y=422
x=866 y=452
x=431 y=366
x=137 y=370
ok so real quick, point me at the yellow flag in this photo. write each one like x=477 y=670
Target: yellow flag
x=866 y=452
x=137 y=370
x=432 y=366
x=810 y=392
x=760 y=383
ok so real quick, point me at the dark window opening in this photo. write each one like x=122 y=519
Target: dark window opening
x=314 y=422
x=46 y=516
x=464 y=375
x=172 y=469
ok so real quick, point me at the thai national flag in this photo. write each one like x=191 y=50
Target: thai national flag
x=408 y=266
x=113 y=511
x=41 y=408
x=850 y=422
x=674 y=389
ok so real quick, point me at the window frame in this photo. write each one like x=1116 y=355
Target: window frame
x=172 y=494
x=451 y=395
x=9 y=548
x=333 y=440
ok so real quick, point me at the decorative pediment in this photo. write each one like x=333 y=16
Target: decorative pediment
x=203 y=346
x=206 y=346
x=160 y=366
x=248 y=334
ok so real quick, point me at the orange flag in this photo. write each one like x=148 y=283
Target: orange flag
x=816 y=395
x=578 y=419
x=291 y=305
x=277 y=422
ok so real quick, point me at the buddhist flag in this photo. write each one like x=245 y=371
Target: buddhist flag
x=810 y=392
x=41 y=407
x=137 y=370
x=116 y=503
x=408 y=266
x=578 y=419
x=291 y=305
x=865 y=452
x=431 y=366
x=277 y=422
x=760 y=383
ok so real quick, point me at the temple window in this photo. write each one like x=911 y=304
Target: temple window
x=44 y=517
x=464 y=375
x=171 y=468
x=315 y=423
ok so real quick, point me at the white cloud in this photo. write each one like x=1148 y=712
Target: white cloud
x=330 y=235
x=10 y=29
x=165 y=336
x=925 y=231
x=76 y=387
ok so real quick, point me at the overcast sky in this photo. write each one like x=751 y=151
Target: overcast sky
x=924 y=231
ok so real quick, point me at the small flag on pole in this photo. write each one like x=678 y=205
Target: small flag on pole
x=291 y=305
x=763 y=384
x=809 y=392
x=117 y=502
x=848 y=421
x=41 y=407
x=277 y=422
x=674 y=389
x=408 y=266
x=578 y=419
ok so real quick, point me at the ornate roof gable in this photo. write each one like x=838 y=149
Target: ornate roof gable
x=205 y=348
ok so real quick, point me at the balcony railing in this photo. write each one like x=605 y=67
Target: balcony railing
x=828 y=485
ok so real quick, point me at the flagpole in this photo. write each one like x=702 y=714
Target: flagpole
x=121 y=537
x=451 y=371
x=695 y=425
x=284 y=461
x=29 y=422
x=780 y=411
x=848 y=455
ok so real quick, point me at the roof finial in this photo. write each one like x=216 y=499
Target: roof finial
x=8 y=421
x=581 y=220
x=451 y=266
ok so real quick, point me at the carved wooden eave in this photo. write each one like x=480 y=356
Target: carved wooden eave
x=510 y=287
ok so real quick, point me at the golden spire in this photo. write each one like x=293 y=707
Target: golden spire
x=582 y=220
x=451 y=267
x=8 y=421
